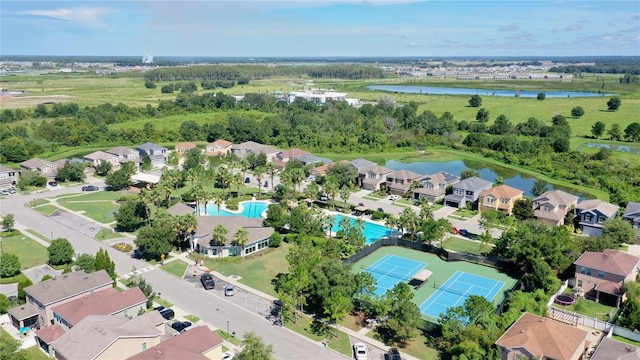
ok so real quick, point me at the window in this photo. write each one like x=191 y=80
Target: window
x=601 y=274
x=144 y=346
x=459 y=192
x=548 y=208
x=586 y=271
x=489 y=200
x=579 y=283
x=469 y=193
x=587 y=217
x=602 y=219
x=505 y=200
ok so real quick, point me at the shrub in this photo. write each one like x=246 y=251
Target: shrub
x=232 y=204
x=275 y=240
x=377 y=215
x=9 y=265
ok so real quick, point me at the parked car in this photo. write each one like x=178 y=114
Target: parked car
x=167 y=314
x=247 y=180
x=266 y=184
x=323 y=197
x=229 y=355
x=360 y=204
x=159 y=308
x=393 y=354
x=380 y=209
x=394 y=197
x=360 y=351
x=4 y=192
x=464 y=232
x=454 y=230
x=180 y=326
x=12 y=191
x=90 y=188
x=207 y=281
x=229 y=290
x=53 y=183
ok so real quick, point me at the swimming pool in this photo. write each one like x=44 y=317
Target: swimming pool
x=250 y=209
x=372 y=231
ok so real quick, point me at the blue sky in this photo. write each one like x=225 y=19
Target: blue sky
x=318 y=28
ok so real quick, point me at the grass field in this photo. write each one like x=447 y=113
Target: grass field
x=590 y=308
x=417 y=347
x=441 y=269
x=46 y=210
x=176 y=267
x=257 y=273
x=462 y=245
x=30 y=252
x=339 y=343
x=32 y=353
x=99 y=205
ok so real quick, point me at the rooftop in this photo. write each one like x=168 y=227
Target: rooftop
x=611 y=349
x=191 y=344
x=557 y=197
x=603 y=207
x=473 y=183
x=503 y=191
x=610 y=261
x=106 y=302
x=67 y=285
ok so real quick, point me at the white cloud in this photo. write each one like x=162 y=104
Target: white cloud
x=573 y=27
x=509 y=28
x=82 y=15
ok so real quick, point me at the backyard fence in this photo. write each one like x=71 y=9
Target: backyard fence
x=626 y=333
x=575 y=319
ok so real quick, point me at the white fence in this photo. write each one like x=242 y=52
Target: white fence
x=571 y=318
x=626 y=333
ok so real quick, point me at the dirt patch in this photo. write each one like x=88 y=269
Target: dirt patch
x=15 y=102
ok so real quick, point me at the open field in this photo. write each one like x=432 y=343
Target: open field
x=29 y=251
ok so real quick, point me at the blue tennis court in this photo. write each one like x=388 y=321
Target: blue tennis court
x=392 y=269
x=457 y=289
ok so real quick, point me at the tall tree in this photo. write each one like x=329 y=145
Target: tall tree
x=8 y=221
x=614 y=103
x=220 y=234
x=155 y=240
x=597 y=129
x=241 y=238
x=345 y=193
x=482 y=115
x=60 y=252
x=539 y=187
x=523 y=209
x=577 y=112
x=614 y=132
x=254 y=348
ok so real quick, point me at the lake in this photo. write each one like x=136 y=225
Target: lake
x=431 y=90
x=488 y=172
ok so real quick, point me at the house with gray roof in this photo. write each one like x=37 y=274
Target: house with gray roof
x=399 y=181
x=552 y=207
x=44 y=168
x=125 y=154
x=110 y=337
x=433 y=187
x=158 y=154
x=372 y=177
x=612 y=349
x=43 y=296
x=361 y=163
x=98 y=157
x=312 y=159
x=8 y=177
x=203 y=241
x=467 y=191
x=632 y=215
x=591 y=215
x=243 y=149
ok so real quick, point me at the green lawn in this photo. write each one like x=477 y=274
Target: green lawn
x=625 y=340
x=176 y=267
x=417 y=347
x=163 y=302
x=590 y=308
x=257 y=272
x=46 y=210
x=339 y=343
x=464 y=213
x=106 y=234
x=32 y=353
x=98 y=210
x=39 y=202
x=462 y=245
x=194 y=319
x=91 y=196
x=30 y=252
x=232 y=339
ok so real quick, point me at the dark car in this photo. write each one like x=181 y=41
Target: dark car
x=464 y=232
x=180 y=326
x=381 y=209
x=167 y=314
x=207 y=281
x=247 y=180
x=159 y=308
x=53 y=183
x=12 y=191
x=266 y=184
x=90 y=188
x=393 y=354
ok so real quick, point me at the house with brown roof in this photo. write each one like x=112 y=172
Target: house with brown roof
x=283 y=157
x=219 y=147
x=8 y=177
x=203 y=238
x=44 y=168
x=552 y=207
x=199 y=343
x=399 y=181
x=42 y=297
x=602 y=274
x=125 y=154
x=98 y=157
x=433 y=187
x=104 y=337
x=106 y=302
x=499 y=198
x=536 y=337
x=182 y=147
x=612 y=349
x=591 y=215
x=373 y=177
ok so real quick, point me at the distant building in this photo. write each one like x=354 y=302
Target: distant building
x=8 y=177
x=321 y=97
x=158 y=154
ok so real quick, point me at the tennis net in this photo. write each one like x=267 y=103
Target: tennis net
x=453 y=291
x=403 y=277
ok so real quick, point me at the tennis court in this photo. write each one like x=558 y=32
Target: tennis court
x=391 y=269
x=457 y=289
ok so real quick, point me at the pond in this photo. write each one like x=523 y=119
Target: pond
x=488 y=172
x=431 y=90
x=621 y=148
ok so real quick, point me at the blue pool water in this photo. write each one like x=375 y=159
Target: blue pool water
x=372 y=231
x=250 y=209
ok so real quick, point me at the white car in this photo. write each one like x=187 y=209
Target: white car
x=360 y=351
x=394 y=197
x=229 y=355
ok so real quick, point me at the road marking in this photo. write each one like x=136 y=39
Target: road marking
x=138 y=271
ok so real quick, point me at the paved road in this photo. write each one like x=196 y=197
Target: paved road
x=211 y=309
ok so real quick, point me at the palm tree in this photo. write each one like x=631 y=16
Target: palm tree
x=192 y=175
x=409 y=220
x=236 y=180
x=297 y=176
x=272 y=170
x=220 y=235
x=241 y=238
x=197 y=193
x=426 y=209
x=171 y=179
x=223 y=176
x=331 y=188
x=218 y=199
x=145 y=197
x=345 y=193
x=258 y=172
x=311 y=191
x=244 y=166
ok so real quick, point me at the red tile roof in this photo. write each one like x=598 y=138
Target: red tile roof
x=191 y=344
x=291 y=153
x=220 y=143
x=51 y=333
x=503 y=192
x=105 y=302
x=610 y=261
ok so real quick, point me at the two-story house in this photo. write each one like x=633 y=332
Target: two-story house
x=591 y=215
x=243 y=149
x=44 y=168
x=534 y=337
x=8 y=177
x=433 y=187
x=182 y=147
x=551 y=207
x=310 y=159
x=158 y=154
x=602 y=275
x=283 y=157
x=43 y=296
x=372 y=177
x=125 y=155
x=219 y=147
x=631 y=215
x=467 y=191
x=399 y=181
x=198 y=343
x=361 y=163
x=499 y=198
x=98 y=157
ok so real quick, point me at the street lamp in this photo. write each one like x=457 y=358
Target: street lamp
x=228 y=333
x=1 y=252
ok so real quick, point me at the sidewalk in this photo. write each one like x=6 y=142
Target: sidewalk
x=360 y=335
